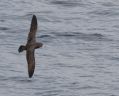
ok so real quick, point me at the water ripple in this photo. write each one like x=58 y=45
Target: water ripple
x=88 y=37
x=67 y=3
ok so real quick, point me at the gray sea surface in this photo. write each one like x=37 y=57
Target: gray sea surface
x=80 y=56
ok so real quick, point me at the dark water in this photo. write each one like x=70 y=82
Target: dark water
x=80 y=56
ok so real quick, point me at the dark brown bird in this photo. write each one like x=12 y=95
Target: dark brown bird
x=30 y=46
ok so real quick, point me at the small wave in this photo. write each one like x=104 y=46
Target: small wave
x=45 y=36
x=67 y=34
x=2 y=20
x=108 y=4
x=3 y=78
x=67 y=3
x=83 y=36
x=115 y=58
x=94 y=37
x=97 y=35
x=88 y=87
x=21 y=79
x=100 y=94
x=4 y=28
x=50 y=92
x=103 y=13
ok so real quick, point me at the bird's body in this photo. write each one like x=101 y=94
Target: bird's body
x=30 y=47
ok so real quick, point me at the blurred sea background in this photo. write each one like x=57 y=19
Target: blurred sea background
x=80 y=56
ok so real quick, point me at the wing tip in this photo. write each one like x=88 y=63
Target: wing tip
x=31 y=74
x=31 y=68
x=33 y=23
x=34 y=18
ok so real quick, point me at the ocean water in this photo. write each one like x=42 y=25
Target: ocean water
x=80 y=56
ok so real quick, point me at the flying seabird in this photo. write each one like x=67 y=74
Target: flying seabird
x=30 y=46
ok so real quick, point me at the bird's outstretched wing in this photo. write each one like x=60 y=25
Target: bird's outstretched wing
x=31 y=62
x=33 y=29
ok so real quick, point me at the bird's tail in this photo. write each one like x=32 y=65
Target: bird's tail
x=21 y=48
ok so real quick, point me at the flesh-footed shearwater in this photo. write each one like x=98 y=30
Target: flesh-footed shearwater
x=30 y=46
